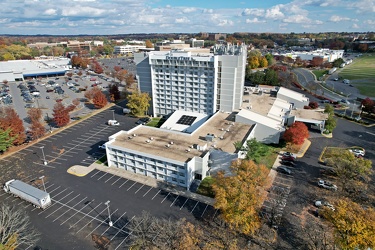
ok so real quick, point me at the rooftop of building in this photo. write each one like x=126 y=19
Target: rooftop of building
x=309 y=114
x=182 y=146
x=33 y=65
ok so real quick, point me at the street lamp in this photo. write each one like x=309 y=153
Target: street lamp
x=44 y=157
x=42 y=178
x=110 y=223
x=113 y=114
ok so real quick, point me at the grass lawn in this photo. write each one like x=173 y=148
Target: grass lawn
x=205 y=187
x=102 y=160
x=156 y=122
x=319 y=73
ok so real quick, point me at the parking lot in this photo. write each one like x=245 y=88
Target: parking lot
x=79 y=211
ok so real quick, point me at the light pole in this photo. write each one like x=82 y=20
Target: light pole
x=44 y=157
x=42 y=178
x=109 y=214
x=113 y=114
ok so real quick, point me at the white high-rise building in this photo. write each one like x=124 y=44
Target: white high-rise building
x=202 y=83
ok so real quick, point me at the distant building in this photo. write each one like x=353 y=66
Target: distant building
x=217 y=36
x=78 y=46
x=125 y=49
x=327 y=54
x=194 y=43
x=201 y=83
x=98 y=43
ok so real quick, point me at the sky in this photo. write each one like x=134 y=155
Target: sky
x=106 y=17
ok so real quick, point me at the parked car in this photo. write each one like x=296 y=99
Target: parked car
x=322 y=203
x=358 y=152
x=288 y=158
x=102 y=146
x=289 y=154
x=288 y=163
x=284 y=170
x=143 y=120
x=327 y=185
x=336 y=79
x=113 y=123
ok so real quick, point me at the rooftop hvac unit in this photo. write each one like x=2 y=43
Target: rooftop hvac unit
x=171 y=143
x=130 y=137
x=227 y=130
x=151 y=138
x=148 y=141
x=222 y=129
x=134 y=135
x=221 y=138
x=188 y=150
x=168 y=145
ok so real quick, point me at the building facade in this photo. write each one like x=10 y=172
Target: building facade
x=196 y=82
x=125 y=49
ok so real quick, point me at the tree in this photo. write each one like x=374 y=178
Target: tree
x=121 y=75
x=99 y=100
x=114 y=92
x=129 y=79
x=368 y=106
x=270 y=59
x=336 y=63
x=313 y=105
x=271 y=77
x=37 y=129
x=138 y=103
x=60 y=115
x=330 y=124
x=328 y=109
x=238 y=196
x=149 y=44
x=9 y=119
x=34 y=114
x=316 y=61
x=89 y=94
x=5 y=139
x=296 y=134
x=354 y=226
x=15 y=229
x=253 y=62
x=263 y=62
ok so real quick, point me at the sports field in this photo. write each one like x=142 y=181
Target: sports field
x=361 y=74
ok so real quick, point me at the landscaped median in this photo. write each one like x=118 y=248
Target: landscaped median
x=80 y=171
x=329 y=152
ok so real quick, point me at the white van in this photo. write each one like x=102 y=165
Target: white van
x=113 y=123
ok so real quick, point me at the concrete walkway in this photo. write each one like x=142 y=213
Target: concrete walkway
x=81 y=171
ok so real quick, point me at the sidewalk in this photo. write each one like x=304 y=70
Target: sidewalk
x=81 y=171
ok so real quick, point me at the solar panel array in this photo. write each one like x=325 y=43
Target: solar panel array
x=186 y=120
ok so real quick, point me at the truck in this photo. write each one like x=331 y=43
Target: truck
x=35 y=196
x=113 y=123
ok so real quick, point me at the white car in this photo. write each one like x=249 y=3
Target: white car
x=113 y=123
x=102 y=146
x=357 y=152
x=327 y=185
x=324 y=204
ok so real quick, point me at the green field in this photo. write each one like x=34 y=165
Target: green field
x=361 y=73
x=319 y=73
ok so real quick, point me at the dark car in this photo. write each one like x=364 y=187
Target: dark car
x=288 y=163
x=143 y=120
x=284 y=170
x=288 y=158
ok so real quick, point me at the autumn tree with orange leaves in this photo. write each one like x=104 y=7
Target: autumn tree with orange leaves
x=37 y=129
x=296 y=134
x=60 y=115
x=99 y=100
x=238 y=196
x=9 y=119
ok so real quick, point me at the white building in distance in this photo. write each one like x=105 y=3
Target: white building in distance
x=195 y=82
x=125 y=49
x=327 y=54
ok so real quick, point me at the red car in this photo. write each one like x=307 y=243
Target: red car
x=288 y=158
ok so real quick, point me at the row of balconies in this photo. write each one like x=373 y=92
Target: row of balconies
x=152 y=169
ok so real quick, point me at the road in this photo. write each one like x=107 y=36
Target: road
x=302 y=186
x=79 y=211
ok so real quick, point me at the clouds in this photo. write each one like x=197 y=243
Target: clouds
x=140 y=16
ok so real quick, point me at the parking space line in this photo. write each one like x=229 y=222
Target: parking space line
x=88 y=203
x=105 y=173
x=131 y=186
x=40 y=164
x=61 y=207
x=194 y=207
x=69 y=209
x=97 y=171
x=114 y=223
x=86 y=214
x=110 y=178
x=139 y=188
x=123 y=183
x=121 y=229
x=165 y=197
x=116 y=181
x=156 y=194
x=174 y=201
x=184 y=203
x=103 y=221
x=213 y=217
x=148 y=191
x=28 y=149
x=94 y=218
x=204 y=211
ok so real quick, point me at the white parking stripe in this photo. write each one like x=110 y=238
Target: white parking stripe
x=95 y=218
x=156 y=194
x=194 y=207
x=148 y=191
x=165 y=198
x=103 y=175
x=109 y=178
x=204 y=211
x=116 y=181
x=120 y=231
x=103 y=221
x=69 y=209
x=85 y=214
x=60 y=207
x=131 y=186
x=139 y=189
x=114 y=223
x=40 y=164
x=88 y=203
x=98 y=171
x=123 y=183
x=174 y=201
